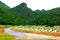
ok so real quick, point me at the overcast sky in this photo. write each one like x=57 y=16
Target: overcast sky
x=34 y=4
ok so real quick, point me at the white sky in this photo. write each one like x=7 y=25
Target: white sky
x=34 y=4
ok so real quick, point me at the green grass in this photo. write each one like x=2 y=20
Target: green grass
x=5 y=26
x=6 y=37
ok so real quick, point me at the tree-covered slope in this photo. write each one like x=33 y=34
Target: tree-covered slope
x=22 y=15
x=50 y=17
x=6 y=16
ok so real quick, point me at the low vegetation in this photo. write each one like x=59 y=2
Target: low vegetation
x=5 y=36
x=55 y=31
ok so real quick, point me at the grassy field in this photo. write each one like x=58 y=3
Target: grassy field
x=55 y=31
x=6 y=37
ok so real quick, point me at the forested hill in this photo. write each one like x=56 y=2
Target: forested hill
x=6 y=16
x=22 y=15
x=4 y=7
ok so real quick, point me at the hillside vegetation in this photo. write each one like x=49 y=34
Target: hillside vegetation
x=22 y=15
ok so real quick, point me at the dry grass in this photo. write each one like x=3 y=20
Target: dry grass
x=1 y=30
x=36 y=32
x=46 y=33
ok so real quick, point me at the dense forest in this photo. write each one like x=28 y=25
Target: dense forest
x=22 y=15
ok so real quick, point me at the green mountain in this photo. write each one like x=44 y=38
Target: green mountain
x=4 y=7
x=22 y=15
x=5 y=14
x=50 y=17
